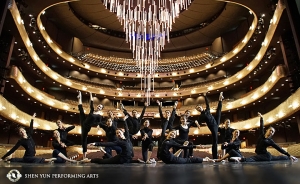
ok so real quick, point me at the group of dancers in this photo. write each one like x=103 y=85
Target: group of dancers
x=121 y=141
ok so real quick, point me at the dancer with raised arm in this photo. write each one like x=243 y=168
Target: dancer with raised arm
x=166 y=123
x=169 y=158
x=232 y=147
x=134 y=122
x=123 y=141
x=212 y=123
x=110 y=127
x=60 y=151
x=93 y=118
x=226 y=133
x=63 y=132
x=264 y=141
x=184 y=129
x=28 y=143
x=147 y=144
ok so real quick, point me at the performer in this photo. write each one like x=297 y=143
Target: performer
x=28 y=143
x=123 y=141
x=212 y=123
x=93 y=118
x=169 y=158
x=184 y=129
x=134 y=122
x=226 y=133
x=64 y=132
x=232 y=147
x=147 y=144
x=265 y=140
x=166 y=123
x=60 y=151
x=110 y=128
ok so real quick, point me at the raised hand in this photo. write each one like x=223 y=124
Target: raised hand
x=158 y=102
x=125 y=117
x=34 y=115
x=259 y=114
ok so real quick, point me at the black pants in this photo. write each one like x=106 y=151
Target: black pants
x=213 y=127
x=266 y=157
x=180 y=160
x=133 y=127
x=187 y=152
x=109 y=149
x=145 y=147
x=28 y=160
x=58 y=158
x=85 y=128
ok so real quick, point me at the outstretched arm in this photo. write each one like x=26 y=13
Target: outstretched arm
x=70 y=128
x=261 y=129
x=12 y=150
x=143 y=111
x=159 y=109
x=31 y=124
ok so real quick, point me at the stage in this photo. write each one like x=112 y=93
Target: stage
x=283 y=172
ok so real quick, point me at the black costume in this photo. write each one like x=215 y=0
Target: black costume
x=261 y=148
x=124 y=157
x=87 y=122
x=169 y=158
x=213 y=124
x=184 y=136
x=134 y=124
x=147 y=144
x=226 y=135
x=111 y=136
x=165 y=124
x=233 y=148
x=64 y=134
x=58 y=149
x=29 y=145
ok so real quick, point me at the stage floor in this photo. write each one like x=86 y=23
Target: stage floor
x=284 y=172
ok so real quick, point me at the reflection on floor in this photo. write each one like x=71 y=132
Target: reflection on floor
x=284 y=172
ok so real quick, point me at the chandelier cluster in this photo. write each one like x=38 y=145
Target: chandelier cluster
x=147 y=24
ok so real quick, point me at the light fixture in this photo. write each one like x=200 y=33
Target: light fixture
x=147 y=24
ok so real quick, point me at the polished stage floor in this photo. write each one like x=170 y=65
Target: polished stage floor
x=284 y=172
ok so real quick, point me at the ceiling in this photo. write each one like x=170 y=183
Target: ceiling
x=228 y=16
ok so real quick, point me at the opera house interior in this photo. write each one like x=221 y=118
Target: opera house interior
x=52 y=49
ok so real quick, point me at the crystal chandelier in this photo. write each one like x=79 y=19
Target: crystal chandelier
x=147 y=24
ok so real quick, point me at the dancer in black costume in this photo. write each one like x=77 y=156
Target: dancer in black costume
x=93 y=118
x=28 y=143
x=60 y=151
x=212 y=123
x=169 y=158
x=265 y=140
x=147 y=144
x=166 y=123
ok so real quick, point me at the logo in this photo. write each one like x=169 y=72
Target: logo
x=14 y=175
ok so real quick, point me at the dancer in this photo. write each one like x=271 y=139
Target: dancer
x=169 y=158
x=212 y=123
x=60 y=151
x=28 y=143
x=265 y=140
x=226 y=133
x=232 y=147
x=147 y=144
x=64 y=132
x=110 y=128
x=184 y=129
x=134 y=122
x=123 y=141
x=93 y=118
x=166 y=123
